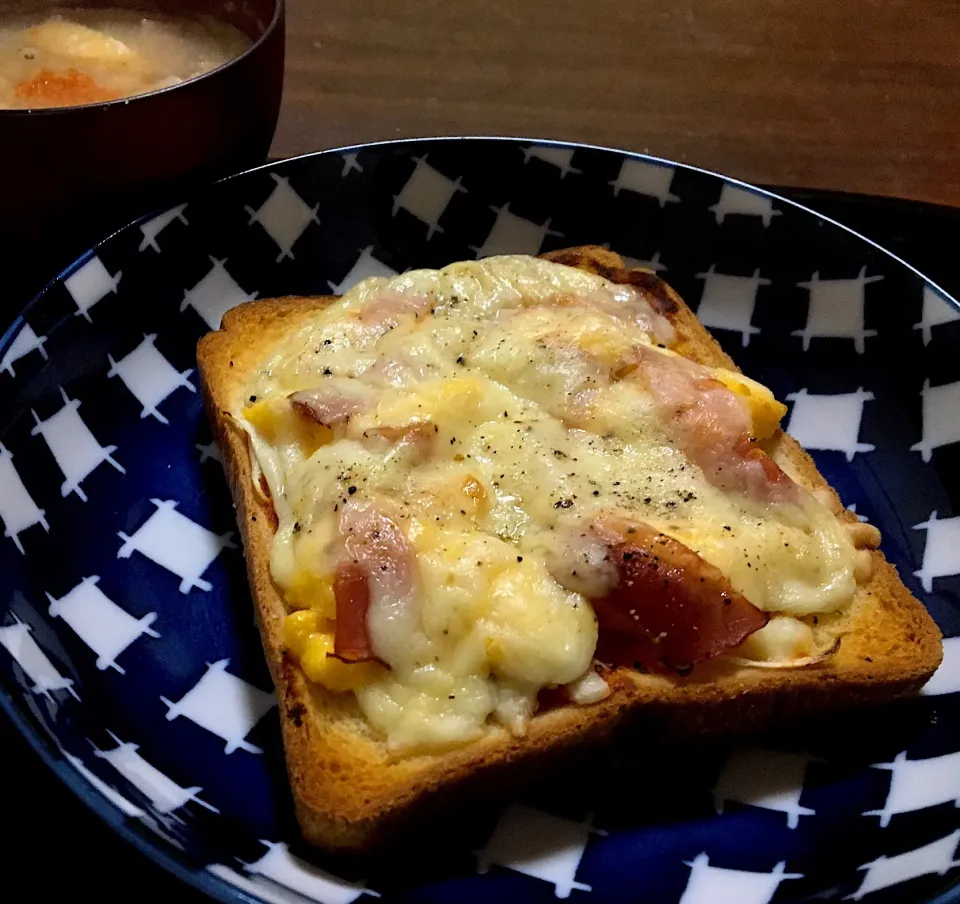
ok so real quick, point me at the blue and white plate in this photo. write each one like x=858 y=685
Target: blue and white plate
x=128 y=654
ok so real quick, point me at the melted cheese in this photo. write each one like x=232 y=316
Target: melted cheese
x=506 y=365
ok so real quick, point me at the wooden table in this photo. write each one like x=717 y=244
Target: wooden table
x=854 y=95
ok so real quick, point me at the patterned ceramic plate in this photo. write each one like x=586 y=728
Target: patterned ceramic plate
x=128 y=655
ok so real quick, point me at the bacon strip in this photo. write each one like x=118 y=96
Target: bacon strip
x=334 y=402
x=385 y=310
x=634 y=310
x=670 y=609
x=608 y=265
x=415 y=439
x=376 y=573
x=351 y=591
x=712 y=425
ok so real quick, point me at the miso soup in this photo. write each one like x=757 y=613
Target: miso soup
x=91 y=56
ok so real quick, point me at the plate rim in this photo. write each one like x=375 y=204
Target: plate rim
x=112 y=817
x=199 y=193
x=153 y=848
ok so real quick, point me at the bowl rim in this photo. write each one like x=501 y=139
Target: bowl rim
x=7 y=113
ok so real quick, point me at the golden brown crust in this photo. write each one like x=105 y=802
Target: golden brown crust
x=349 y=793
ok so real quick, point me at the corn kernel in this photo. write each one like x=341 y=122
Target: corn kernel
x=334 y=674
x=605 y=348
x=297 y=630
x=765 y=411
x=277 y=422
x=263 y=417
x=308 y=591
x=474 y=491
x=309 y=434
x=461 y=389
x=456 y=396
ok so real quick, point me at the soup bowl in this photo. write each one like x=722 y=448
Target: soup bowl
x=70 y=175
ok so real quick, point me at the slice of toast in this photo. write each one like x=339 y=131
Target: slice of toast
x=349 y=793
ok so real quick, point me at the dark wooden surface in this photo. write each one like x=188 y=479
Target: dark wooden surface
x=858 y=95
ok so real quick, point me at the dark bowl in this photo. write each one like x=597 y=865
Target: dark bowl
x=70 y=175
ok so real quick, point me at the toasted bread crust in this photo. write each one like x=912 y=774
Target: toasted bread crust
x=349 y=793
